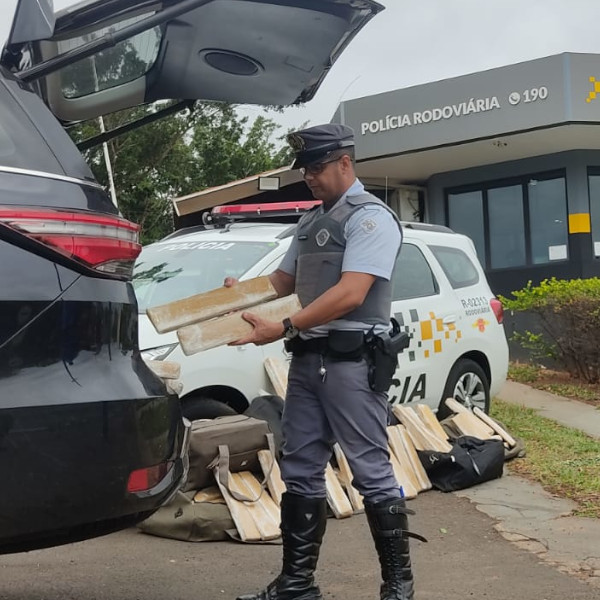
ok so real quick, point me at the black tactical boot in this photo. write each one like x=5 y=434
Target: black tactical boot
x=389 y=522
x=302 y=528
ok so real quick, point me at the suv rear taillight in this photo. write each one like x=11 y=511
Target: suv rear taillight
x=106 y=243
x=145 y=479
x=498 y=309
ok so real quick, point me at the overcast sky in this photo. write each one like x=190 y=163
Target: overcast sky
x=417 y=41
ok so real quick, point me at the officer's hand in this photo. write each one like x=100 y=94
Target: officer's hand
x=230 y=281
x=264 y=331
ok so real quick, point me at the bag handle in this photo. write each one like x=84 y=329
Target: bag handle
x=220 y=467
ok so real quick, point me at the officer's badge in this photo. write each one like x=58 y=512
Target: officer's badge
x=369 y=225
x=322 y=237
x=296 y=142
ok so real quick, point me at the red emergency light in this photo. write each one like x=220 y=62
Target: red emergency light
x=242 y=210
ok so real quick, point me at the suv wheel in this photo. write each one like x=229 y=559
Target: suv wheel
x=205 y=408
x=468 y=384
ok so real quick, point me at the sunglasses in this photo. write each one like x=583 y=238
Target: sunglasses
x=318 y=168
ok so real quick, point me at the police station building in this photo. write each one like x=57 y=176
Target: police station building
x=509 y=156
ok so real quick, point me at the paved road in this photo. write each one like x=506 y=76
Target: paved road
x=469 y=560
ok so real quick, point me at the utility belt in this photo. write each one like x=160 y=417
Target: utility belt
x=380 y=350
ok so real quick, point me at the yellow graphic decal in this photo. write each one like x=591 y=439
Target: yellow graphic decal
x=433 y=333
x=426 y=330
x=594 y=93
x=481 y=324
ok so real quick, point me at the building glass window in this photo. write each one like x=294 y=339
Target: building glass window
x=518 y=222
x=465 y=214
x=548 y=215
x=507 y=227
x=594 y=187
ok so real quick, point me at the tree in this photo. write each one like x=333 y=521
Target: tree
x=178 y=155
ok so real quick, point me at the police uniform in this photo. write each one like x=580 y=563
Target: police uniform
x=329 y=398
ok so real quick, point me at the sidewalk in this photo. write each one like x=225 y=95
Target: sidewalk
x=531 y=517
x=562 y=410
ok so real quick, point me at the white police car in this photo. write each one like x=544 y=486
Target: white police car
x=440 y=297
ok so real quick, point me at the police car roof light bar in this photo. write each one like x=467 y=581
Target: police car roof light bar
x=246 y=210
x=268 y=210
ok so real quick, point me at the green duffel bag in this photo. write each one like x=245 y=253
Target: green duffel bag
x=184 y=519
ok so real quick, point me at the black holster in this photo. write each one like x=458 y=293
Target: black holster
x=382 y=353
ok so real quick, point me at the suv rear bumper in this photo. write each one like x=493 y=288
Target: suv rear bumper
x=65 y=469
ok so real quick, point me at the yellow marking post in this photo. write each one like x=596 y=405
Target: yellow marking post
x=579 y=223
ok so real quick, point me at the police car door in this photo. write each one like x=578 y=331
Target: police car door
x=421 y=305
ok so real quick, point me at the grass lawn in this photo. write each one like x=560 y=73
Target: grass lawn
x=565 y=461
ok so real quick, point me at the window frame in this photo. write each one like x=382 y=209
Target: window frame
x=592 y=171
x=523 y=181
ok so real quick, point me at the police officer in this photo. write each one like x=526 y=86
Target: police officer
x=340 y=264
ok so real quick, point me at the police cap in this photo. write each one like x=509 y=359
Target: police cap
x=315 y=144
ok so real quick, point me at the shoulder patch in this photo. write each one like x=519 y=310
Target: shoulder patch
x=369 y=225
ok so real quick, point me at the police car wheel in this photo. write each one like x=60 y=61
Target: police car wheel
x=468 y=384
x=205 y=408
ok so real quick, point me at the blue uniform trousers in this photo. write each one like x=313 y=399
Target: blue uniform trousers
x=340 y=408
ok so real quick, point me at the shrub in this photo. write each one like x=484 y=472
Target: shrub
x=569 y=313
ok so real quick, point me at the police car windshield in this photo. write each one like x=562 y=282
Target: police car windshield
x=171 y=271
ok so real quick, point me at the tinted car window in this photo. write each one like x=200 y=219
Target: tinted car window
x=171 y=271
x=21 y=145
x=457 y=266
x=59 y=142
x=124 y=62
x=412 y=276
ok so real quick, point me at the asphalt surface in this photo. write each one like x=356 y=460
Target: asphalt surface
x=501 y=540
x=465 y=558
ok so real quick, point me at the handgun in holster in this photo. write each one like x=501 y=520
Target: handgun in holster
x=383 y=355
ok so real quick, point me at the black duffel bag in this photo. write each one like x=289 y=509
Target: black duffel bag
x=471 y=461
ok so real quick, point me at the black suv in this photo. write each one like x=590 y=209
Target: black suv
x=90 y=441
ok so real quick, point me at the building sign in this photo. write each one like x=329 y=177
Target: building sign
x=464 y=108
x=540 y=93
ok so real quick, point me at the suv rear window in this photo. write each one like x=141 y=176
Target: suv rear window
x=110 y=68
x=457 y=266
x=21 y=145
x=171 y=271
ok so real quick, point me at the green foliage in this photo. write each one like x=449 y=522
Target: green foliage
x=178 y=155
x=537 y=344
x=569 y=312
x=523 y=372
